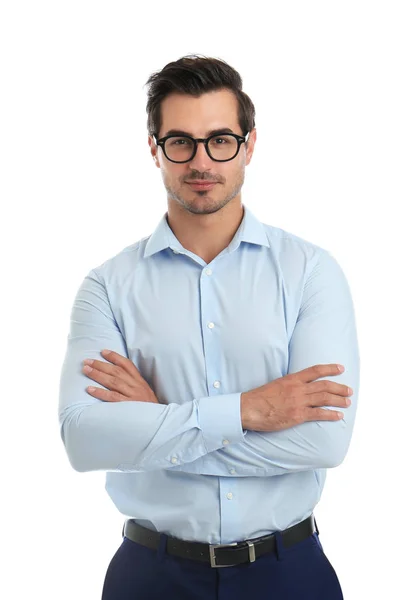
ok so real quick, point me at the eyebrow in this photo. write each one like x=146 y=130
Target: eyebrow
x=212 y=132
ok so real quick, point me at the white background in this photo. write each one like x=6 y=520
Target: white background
x=78 y=185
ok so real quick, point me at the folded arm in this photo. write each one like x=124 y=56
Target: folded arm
x=130 y=436
x=325 y=332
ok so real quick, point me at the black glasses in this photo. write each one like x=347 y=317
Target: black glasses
x=219 y=147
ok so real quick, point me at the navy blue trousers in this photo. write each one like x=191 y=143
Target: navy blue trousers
x=301 y=572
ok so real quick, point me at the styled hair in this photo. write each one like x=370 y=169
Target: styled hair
x=195 y=75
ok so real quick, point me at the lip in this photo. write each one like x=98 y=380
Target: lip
x=205 y=185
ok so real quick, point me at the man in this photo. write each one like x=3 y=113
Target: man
x=220 y=405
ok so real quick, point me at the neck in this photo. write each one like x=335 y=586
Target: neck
x=206 y=235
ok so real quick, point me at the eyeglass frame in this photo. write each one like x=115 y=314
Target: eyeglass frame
x=239 y=138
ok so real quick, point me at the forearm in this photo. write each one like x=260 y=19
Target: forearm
x=310 y=445
x=144 y=436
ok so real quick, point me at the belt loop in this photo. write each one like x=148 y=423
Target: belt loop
x=123 y=529
x=280 y=551
x=162 y=546
x=317 y=529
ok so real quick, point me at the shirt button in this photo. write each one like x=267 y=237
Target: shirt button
x=225 y=442
x=174 y=459
x=232 y=471
x=229 y=496
x=175 y=251
x=216 y=384
x=208 y=271
x=210 y=325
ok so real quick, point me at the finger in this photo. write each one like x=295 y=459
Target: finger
x=112 y=382
x=109 y=396
x=332 y=387
x=111 y=370
x=326 y=399
x=106 y=395
x=312 y=373
x=322 y=414
x=122 y=361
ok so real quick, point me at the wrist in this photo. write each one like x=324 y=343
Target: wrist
x=245 y=410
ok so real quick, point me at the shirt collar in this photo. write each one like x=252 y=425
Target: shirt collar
x=250 y=230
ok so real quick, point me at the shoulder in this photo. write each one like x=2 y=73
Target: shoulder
x=294 y=252
x=287 y=241
x=122 y=264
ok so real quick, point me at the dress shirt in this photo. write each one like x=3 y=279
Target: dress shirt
x=271 y=303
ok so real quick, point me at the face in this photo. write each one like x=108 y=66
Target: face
x=198 y=116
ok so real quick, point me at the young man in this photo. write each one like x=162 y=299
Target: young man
x=220 y=404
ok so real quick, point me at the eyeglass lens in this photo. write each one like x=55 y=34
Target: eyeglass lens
x=221 y=147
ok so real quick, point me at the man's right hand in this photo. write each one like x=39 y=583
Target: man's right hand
x=294 y=399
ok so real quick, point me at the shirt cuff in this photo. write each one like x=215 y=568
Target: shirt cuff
x=220 y=420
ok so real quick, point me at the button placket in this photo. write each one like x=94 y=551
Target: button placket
x=226 y=494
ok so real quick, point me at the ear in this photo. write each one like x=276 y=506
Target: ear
x=250 y=145
x=154 y=151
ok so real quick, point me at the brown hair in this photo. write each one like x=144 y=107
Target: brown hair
x=195 y=75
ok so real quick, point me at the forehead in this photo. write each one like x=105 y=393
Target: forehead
x=198 y=116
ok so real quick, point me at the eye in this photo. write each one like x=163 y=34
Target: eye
x=178 y=141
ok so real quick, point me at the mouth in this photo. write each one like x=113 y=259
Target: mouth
x=207 y=185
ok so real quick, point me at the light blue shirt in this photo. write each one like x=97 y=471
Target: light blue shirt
x=271 y=303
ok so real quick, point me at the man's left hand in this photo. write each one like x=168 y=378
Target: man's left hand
x=121 y=377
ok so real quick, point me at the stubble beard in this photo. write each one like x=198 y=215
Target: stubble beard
x=190 y=200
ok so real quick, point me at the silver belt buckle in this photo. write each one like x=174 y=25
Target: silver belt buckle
x=212 y=547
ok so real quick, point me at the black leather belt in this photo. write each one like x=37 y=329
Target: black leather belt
x=220 y=555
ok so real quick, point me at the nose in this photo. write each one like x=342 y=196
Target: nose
x=201 y=160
